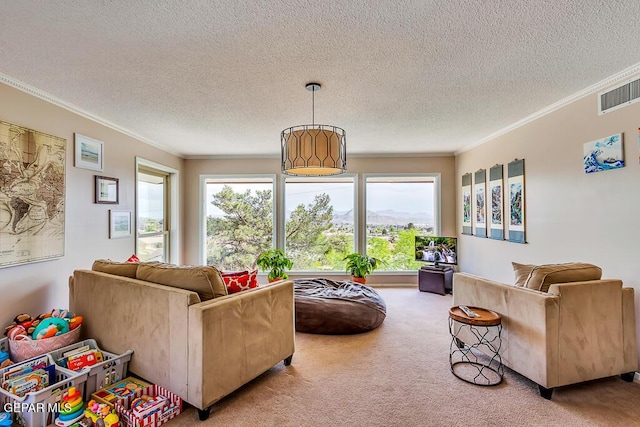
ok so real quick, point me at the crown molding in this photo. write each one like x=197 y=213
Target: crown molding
x=277 y=156
x=230 y=156
x=16 y=84
x=597 y=87
x=401 y=155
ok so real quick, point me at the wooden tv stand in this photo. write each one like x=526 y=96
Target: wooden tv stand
x=434 y=279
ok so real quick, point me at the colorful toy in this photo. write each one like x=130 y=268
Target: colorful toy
x=75 y=321
x=4 y=360
x=50 y=327
x=17 y=333
x=112 y=420
x=24 y=320
x=61 y=313
x=71 y=408
x=145 y=405
x=101 y=413
x=5 y=419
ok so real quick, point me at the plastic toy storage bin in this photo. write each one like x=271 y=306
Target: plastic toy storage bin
x=111 y=370
x=36 y=404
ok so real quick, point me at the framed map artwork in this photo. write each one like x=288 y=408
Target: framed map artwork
x=31 y=195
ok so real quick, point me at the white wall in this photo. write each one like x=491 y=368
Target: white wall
x=570 y=215
x=38 y=287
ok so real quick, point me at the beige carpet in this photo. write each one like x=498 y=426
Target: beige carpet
x=398 y=375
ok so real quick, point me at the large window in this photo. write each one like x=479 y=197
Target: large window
x=398 y=209
x=319 y=222
x=153 y=215
x=239 y=226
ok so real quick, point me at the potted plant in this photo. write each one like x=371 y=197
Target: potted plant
x=276 y=261
x=360 y=266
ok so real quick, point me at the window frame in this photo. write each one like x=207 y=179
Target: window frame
x=237 y=179
x=437 y=203
x=282 y=209
x=172 y=229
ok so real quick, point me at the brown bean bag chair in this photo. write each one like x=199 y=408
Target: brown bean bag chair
x=325 y=306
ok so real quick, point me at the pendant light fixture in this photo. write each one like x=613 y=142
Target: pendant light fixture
x=314 y=150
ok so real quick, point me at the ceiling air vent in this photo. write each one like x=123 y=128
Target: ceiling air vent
x=625 y=94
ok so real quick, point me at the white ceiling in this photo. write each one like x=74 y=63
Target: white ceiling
x=225 y=77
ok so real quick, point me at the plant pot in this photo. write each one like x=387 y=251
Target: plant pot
x=361 y=280
x=275 y=279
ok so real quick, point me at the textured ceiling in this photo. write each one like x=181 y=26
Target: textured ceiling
x=225 y=77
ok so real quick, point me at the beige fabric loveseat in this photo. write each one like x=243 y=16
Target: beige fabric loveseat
x=575 y=332
x=200 y=350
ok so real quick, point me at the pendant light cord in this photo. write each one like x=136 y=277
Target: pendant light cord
x=313 y=106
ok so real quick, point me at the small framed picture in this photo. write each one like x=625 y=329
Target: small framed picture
x=88 y=153
x=119 y=224
x=107 y=190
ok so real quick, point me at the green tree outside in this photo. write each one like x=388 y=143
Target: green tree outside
x=312 y=242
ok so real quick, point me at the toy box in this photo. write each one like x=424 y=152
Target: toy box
x=158 y=407
x=124 y=390
x=27 y=349
x=37 y=408
x=104 y=370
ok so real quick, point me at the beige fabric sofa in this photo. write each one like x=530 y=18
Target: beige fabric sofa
x=575 y=332
x=201 y=351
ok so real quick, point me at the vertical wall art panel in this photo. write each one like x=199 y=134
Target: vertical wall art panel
x=466 y=204
x=496 y=227
x=516 y=201
x=31 y=195
x=481 y=202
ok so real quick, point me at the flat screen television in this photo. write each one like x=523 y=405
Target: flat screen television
x=438 y=250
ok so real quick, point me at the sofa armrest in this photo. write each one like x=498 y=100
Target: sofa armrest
x=592 y=338
x=234 y=339
x=529 y=323
x=629 y=326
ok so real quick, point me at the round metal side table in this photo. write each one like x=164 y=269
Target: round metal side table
x=474 y=353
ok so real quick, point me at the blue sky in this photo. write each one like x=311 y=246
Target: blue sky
x=400 y=197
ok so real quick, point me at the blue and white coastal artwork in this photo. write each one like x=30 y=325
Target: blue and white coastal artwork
x=603 y=154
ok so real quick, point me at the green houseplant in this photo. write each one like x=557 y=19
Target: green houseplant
x=277 y=262
x=360 y=266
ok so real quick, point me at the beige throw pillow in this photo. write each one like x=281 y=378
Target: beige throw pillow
x=215 y=277
x=125 y=269
x=522 y=272
x=191 y=278
x=543 y=276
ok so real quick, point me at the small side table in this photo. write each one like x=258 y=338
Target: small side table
x=466 y=360
x=438 y=280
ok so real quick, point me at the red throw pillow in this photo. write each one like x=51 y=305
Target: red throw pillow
x=237 y=281
x=133 y=258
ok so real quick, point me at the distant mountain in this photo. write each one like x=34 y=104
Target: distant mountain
x=386 y=217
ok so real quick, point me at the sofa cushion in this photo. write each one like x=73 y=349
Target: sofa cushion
x=219 y=288
x=237 y=281
x=203 y=280
x=543 y=276
x=125 y=269
x=522 y=272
